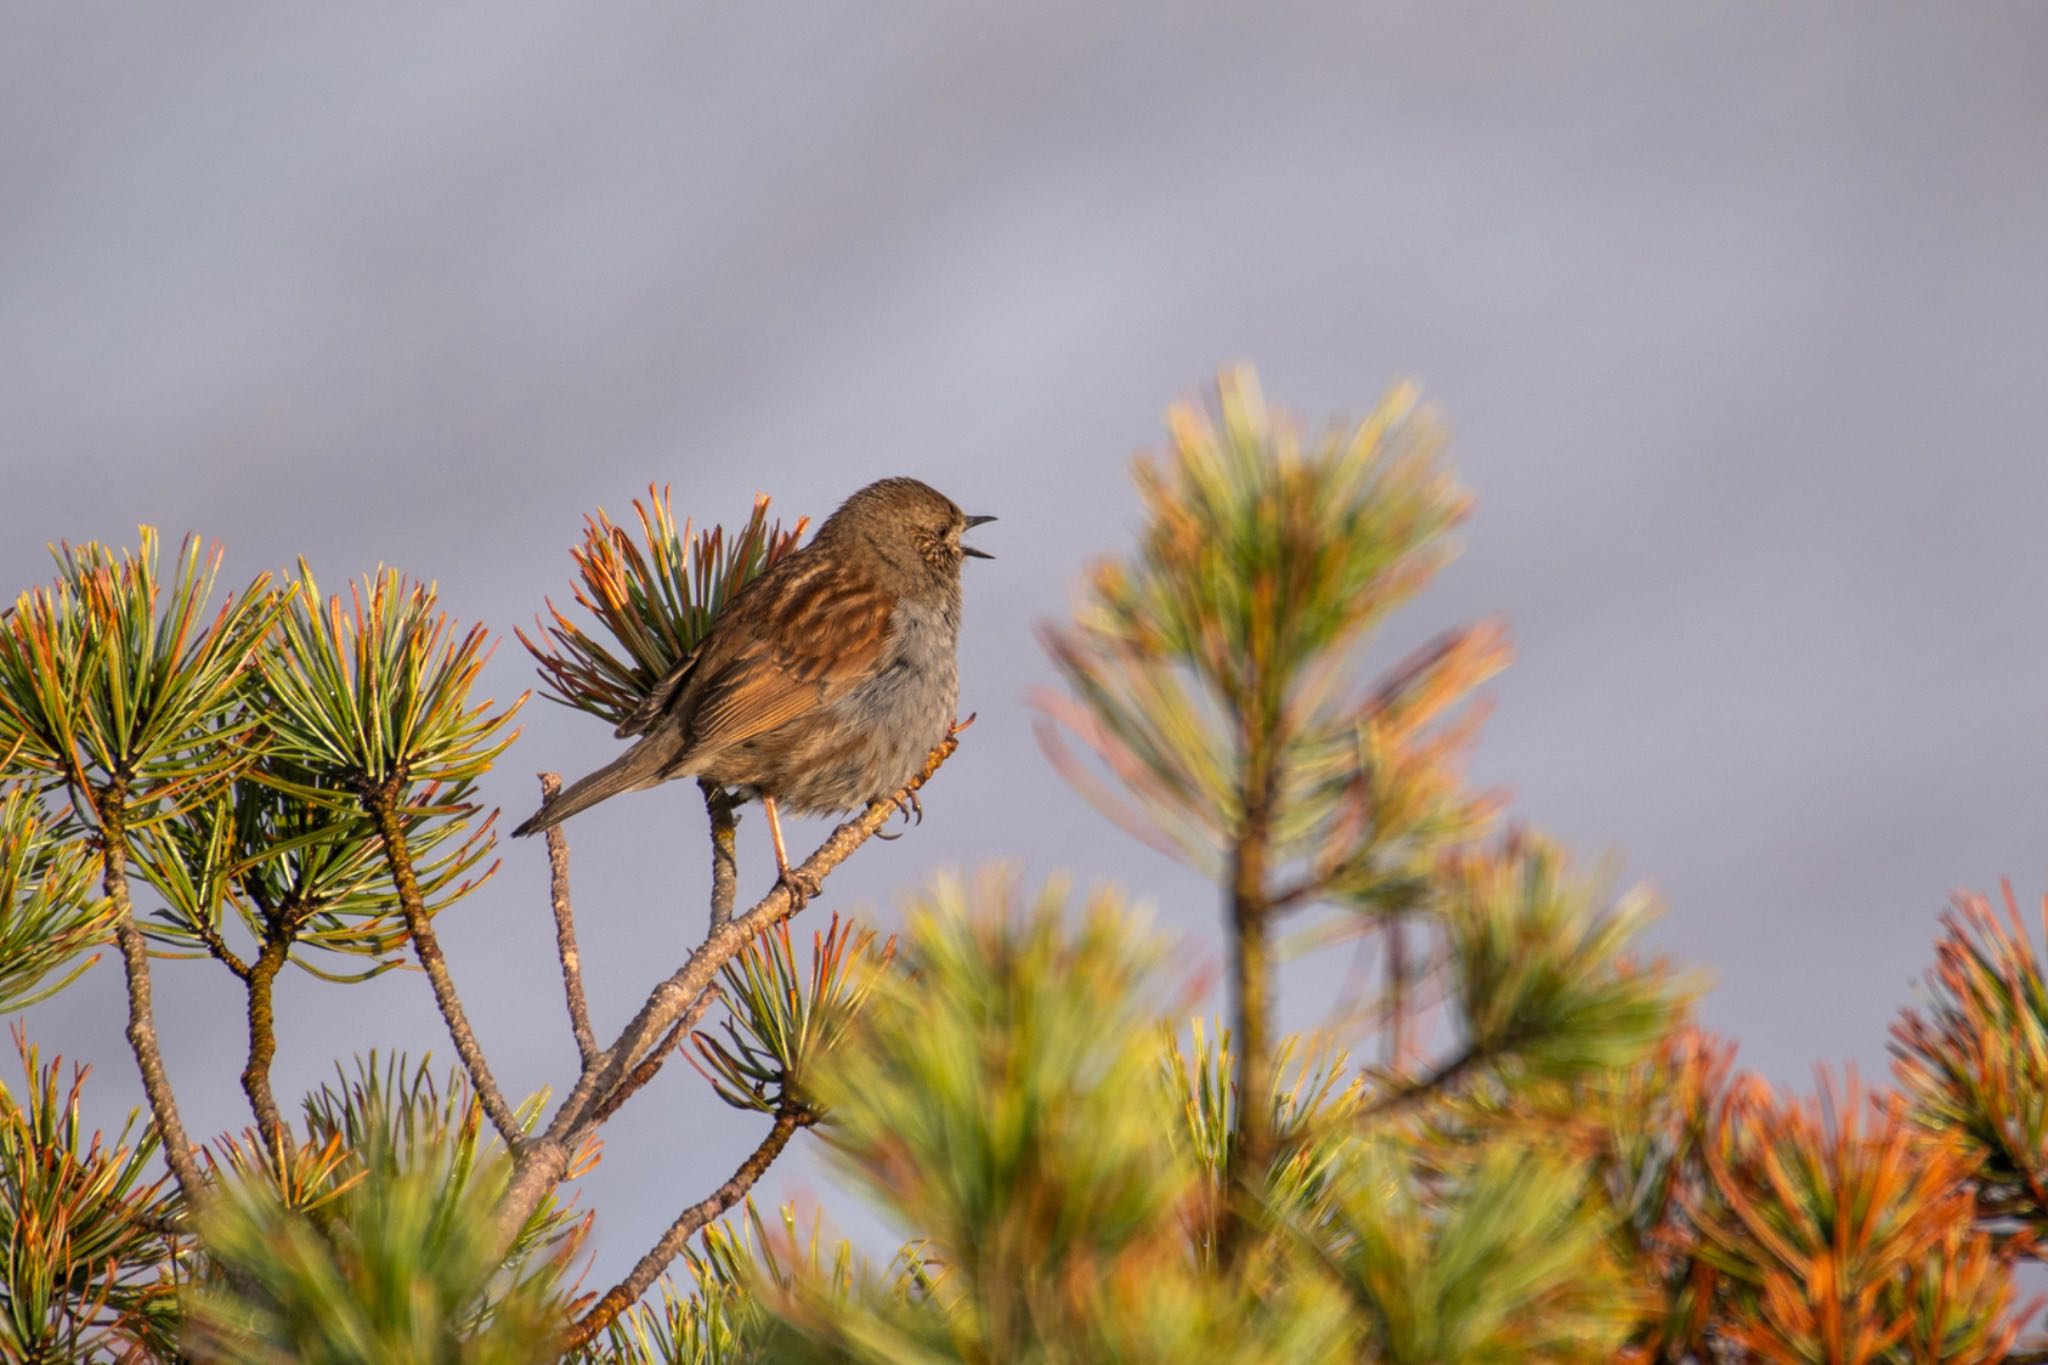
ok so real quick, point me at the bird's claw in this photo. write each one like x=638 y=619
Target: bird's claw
x=802 y=886
x=905 y=804
x=958 y=725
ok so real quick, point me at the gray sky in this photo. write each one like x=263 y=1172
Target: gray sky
x=1737 y=316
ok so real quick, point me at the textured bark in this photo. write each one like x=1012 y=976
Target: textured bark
x=383 y=807
x=156 y=1086
x=565 y=927
x=263 y=1039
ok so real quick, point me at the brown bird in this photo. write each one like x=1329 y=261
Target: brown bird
x=824 y=682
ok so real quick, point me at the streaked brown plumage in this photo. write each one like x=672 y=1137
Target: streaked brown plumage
x=824 y=682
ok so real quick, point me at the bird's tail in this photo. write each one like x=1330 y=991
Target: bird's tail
x=643 y=765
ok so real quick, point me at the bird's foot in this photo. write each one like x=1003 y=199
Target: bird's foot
x=958 y=725
x=802 y=886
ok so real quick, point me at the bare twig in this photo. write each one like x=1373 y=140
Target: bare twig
x=156 y=1085
x=543 y=1162
x=565 y=927
x=621 y=1295
x=725 y=875
x=383 y=808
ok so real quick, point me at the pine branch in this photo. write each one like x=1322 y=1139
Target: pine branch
x=218 y=946
x=652 y=1062
x=673 y=997
x=565 y=927
x=156 y=1085
x=543 y=1162
x=1251 y=910
x=382 y=805
x=260 y=980
x=687 y=1224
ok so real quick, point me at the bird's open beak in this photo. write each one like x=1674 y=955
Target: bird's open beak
x=969 y=550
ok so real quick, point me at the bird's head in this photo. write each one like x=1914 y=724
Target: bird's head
x=909 y=524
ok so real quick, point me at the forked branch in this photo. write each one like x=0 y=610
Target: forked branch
x=543 y=1162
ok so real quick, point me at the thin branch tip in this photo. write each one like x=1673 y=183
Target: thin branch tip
x=565 y=928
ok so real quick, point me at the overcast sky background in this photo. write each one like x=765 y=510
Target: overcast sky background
x=1738 y=316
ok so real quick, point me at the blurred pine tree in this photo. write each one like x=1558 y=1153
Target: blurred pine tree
x=1512 y=1147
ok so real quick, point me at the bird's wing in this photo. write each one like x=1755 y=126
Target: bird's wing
x=642 y=718
x=807 y=652
x=749 y=617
